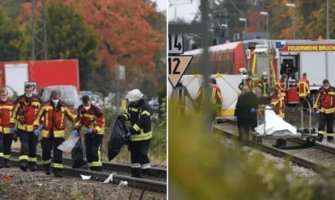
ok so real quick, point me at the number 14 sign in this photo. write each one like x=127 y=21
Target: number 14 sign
x=177 y=63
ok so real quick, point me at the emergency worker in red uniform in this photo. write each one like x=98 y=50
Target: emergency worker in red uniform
x=54 y=114
x=25 y=112
x=7 y=127
x=325 y=104
x=91 y=121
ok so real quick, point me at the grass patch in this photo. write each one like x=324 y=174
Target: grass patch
x=4 y=186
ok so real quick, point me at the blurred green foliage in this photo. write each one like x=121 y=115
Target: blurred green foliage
x=201 y=166
x=10 y=38
x=70 y=37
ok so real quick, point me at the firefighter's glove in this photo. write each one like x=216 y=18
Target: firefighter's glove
x=235 y=119
x=253 y=110
x=127 y=137
x=89 y=131
x=12 y=130
x=40 y=127
x=75 y=132
x=36 y=132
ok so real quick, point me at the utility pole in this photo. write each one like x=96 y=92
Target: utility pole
x=327 y=18
x=38 y=33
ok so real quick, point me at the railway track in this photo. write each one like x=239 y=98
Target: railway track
x=230 y=131
x=121 y=172
x=155 y=172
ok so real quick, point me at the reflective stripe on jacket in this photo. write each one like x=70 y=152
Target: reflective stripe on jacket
x=303 y=88
x=325 y=100
x=92 y=118
x=140 y=119
x=25 y=112
x=54 y=119
x=278 y=105
x=264 y=86
x=6 y=116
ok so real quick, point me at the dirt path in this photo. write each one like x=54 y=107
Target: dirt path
x=18 y=185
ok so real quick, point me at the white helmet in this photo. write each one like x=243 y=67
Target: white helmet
x=243 y=70
x=244 y=77
x=265 y=74
x=134 y=95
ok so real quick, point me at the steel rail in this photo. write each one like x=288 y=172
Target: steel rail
x=277 y=152
x=157 y=172
x=145 y=184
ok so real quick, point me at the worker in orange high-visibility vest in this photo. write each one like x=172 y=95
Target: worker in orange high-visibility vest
x=325 y=104
x=277 y=102
x=281 y=85
x=304 y=91
x=216 y=97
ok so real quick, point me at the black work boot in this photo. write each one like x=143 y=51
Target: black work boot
x=145 y=172
x=32 y=166
x=319 y=138
x=24 y=165
x=96 y=168
x=6 y=163
x=330 y=138
x=47 y=169
x=58 y=172
x=136 y=172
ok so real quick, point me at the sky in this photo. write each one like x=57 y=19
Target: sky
x=161 y=4
x=185 y=9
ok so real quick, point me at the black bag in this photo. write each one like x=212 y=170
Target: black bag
x=78 y=157
x=117 y=138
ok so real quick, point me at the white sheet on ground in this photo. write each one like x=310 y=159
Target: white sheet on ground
x=275 y=124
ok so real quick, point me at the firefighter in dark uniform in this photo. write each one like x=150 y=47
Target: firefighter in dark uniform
x=246 y=111
x=25 y=112
x=7 y=127
x=54 y=113
x=139 y=114
x=325 y=103
x=264 y=86
x=91 y=121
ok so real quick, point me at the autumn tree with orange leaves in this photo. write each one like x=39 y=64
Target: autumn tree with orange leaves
x=127 y=37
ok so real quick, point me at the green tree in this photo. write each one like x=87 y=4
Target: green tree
x=10 y=38
x=10 y=7
x=70 y=37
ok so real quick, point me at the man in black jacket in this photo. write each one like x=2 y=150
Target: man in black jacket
x=246 y=111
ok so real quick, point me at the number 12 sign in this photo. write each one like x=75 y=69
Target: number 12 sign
x=177 y=67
